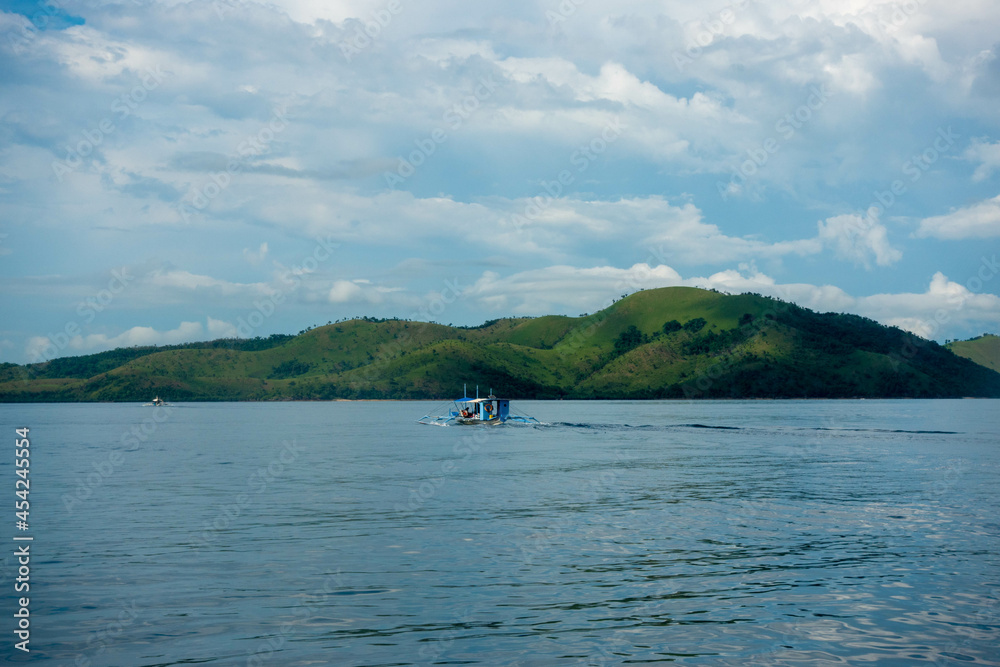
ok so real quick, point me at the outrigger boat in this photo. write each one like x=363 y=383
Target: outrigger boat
x=157 y=402
x=467 y=411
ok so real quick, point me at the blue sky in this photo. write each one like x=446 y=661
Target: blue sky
x=177 y=171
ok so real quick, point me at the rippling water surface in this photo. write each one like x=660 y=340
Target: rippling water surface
x=715 y=533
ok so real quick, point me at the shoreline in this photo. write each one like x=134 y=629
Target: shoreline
x=553 y=400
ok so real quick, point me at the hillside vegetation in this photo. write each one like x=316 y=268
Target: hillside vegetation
x=675 y=342
x=984 y=350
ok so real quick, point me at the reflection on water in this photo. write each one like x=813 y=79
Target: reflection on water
x=721 y=533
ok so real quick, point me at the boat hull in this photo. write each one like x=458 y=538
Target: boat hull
x=473 y=421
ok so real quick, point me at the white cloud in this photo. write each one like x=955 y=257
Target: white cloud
x=42 y=348
x=613 y=83
x=560 y=229
x=363 y=291
x=220 y=329
x=858 y=239
x=569 y=289
x=255 y=257
x=852 y=75
x=979 y=221
x=987 y=156
x=946 y=306
x=681 y=235
x=817 y=297
x=176 y=280
x=345 y=291
x=95 y=56
x=308 y=11
x=553 y=95
x=924 y=51
x=541 y=291
x=647 y=197
x=36 y=349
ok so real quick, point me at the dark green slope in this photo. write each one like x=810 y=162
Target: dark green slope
x=666 y=343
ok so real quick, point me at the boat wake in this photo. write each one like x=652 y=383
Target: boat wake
x=720 y=427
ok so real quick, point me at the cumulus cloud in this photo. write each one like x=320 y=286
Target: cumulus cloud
x=979 y=221
x=945 y=307
x=567 y=289
x=177 y=281
x=671 y=232
x=361 y=290
x=557 y=98
x=858 y=239
x=557 y=228
x=255 y=257
x=133 y=146
x=985 y=155
x=344 y=291
x=40 y=348
x=221 y=329
x=555 y=288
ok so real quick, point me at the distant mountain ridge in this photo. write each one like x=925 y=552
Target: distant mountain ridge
x=674 y=342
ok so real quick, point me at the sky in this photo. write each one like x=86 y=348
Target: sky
x=180 y=171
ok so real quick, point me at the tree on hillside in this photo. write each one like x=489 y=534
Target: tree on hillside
x=629 y=339
x=695 y=325
x=671 y=326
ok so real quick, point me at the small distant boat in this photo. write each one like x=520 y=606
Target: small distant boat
x=467 y=411
x=157 y=402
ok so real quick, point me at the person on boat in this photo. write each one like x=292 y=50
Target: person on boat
x=466 y=413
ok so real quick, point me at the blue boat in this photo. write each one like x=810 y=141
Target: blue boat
x=476 y=411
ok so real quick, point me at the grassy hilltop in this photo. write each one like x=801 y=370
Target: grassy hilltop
x=673 y=342
x=984 y=350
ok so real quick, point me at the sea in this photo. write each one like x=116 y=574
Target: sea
x=806 y=532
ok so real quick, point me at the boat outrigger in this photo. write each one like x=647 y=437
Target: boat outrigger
x=473 y=411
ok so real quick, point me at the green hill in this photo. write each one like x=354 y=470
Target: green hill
x=675 y=342
x=984 y=350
